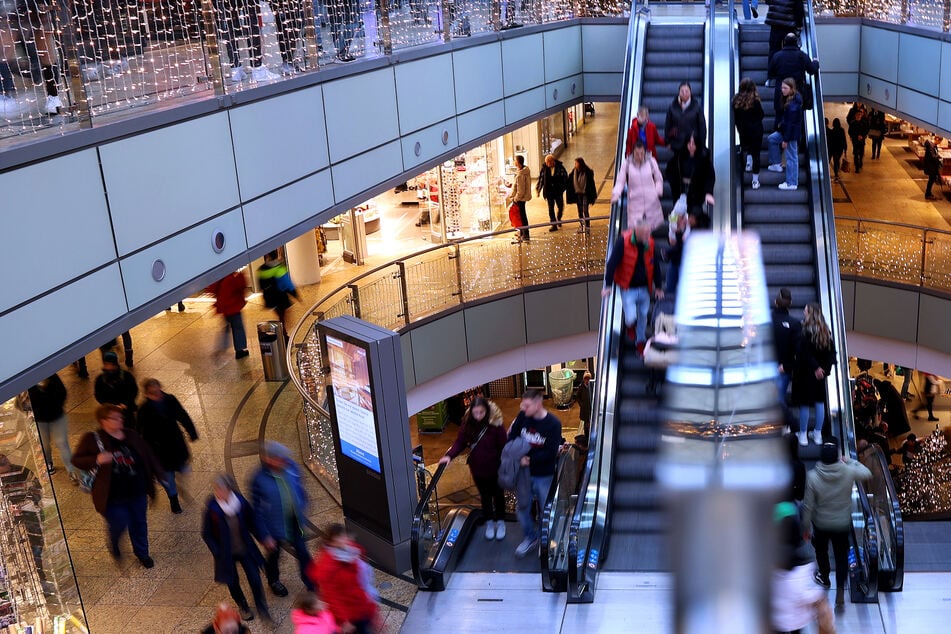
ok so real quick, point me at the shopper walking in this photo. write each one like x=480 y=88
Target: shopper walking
x=933 y=387
x=542 y=430
x=484 y=436
x=931 y=163
x=827 y=513
x=276 y=287
x=521 y=194
x=48 y=402
x=337 y=571
x=858 y=132
x=227 y=528
x=126 y=470
x=229 y=302
x=311 y=616
x=748 y=117
x=116 y=386
x=552 y=183
x=582 y=191
x=815 y=356
x=279 y=502
x=158 y=423
x=641 y=177
x=876 y=132
x=644 y=129
x=685 y=119
x=786 y=136
x=836 y=144
x=226 y=621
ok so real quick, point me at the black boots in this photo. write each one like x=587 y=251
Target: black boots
x=173 y=501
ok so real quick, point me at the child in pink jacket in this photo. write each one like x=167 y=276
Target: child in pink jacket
x=311 y=616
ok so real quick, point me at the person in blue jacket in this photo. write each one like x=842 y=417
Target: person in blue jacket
x=786 y=136
x=279 y=502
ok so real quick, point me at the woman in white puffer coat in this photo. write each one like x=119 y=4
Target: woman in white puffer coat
x=645 y=186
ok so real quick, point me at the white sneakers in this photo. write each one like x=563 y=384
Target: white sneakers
x=804 y=437
x=776 y=167
x=803 y=440
x=755 y=182
x=10 y=107
x=261 y=73
x=53 y=104
x=495 y=529
x=817 y=437
x=749 y=162
x=525 y=547
x=238 y=74
x=787 y=187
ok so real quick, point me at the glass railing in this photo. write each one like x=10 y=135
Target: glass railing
x=424 y=284
x=922 y=14
x=73 y=64
x=894 y=252
x=556 y=519
x=884 y=504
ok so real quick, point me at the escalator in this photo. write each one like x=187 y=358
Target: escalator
x=672 y=53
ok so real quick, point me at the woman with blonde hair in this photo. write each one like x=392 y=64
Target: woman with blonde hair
x=748 y=117
x=786 y=136
x=815 y=356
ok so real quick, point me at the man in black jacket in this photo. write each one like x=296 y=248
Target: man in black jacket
x=786 y=340
x=784 y=16
x=552 y=182
x=790 y=61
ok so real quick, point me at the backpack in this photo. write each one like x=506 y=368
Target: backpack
x=865 y=396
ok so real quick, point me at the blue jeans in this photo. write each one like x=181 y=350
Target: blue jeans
x=804 y=417
x=636 y=302
x=57 y=432
x=540 y=487
x=775 y=141
x=782 y=386
x=238 y=336
x=122 y=515
x=169 y=484
x=746 y=8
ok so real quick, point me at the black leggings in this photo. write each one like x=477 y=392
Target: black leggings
x=493 y=497
x=840 y=550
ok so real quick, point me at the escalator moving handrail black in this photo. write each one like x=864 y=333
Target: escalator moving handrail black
x=606 y=362
x=548 y=581
x=868 y=541
x=417 y=522
x=896 y=582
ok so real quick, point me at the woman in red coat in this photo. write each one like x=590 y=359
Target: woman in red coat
x=337 y=572
x=229 y=300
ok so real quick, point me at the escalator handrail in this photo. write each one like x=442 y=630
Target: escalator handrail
x=548 y=574
x=898 y=527
x=595 y=483
x=867 y=540
x=720 y=115
x=421 y=507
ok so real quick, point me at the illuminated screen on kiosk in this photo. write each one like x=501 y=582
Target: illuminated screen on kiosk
x=350 y=375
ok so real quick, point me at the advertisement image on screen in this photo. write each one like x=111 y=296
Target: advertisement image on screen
x=350 y=375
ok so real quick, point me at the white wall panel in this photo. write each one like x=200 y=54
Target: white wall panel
x=366 y=170
x=477 y=123
x=279 y=140
x=886 y=312
x=944 y=115
x=186 y=256
x=833 y=84
x=562 y=53
x=879 y=54
x=933 y=329
x=409 y=373
x=524 y=104
x=602 y=84
x=168 y=179
x=945 y=72
x=561 y=92
x=570 y=303
x=877 y=90
x=477 y=76
x=54 y=321
x=60 y=239
x=916 y=62
x=915 y=104
x=428 y=143
x=602 y=47
x=438 y=347
x=288 y=206
x=839 y=47
x=494 y=327
x=419 y=107
x=360 y=112
x=522 y=63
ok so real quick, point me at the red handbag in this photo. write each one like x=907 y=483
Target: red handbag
x=515 y=215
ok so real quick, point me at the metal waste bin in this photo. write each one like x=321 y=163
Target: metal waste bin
x=562 y=383
x=273 y=350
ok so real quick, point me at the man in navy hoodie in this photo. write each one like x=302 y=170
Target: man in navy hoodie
x=542 y=430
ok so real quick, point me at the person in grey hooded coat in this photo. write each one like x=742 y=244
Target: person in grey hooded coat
x=827 y=513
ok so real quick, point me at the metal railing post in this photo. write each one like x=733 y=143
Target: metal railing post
x=404 y=291
x=211 y=47
x=355 y=299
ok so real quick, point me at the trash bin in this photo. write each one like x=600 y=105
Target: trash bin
x=273 y=350
x=562 y=383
